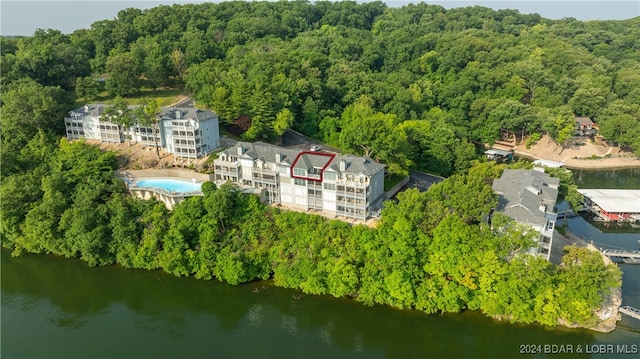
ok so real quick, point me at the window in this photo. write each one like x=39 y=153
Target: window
x=330 y=186
x=331 y=176
x=300 y=182
x=283 y=170
x=298 y=172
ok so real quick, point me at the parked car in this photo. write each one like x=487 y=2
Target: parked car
x=315 y=148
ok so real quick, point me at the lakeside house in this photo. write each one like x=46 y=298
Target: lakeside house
x=529 y=198
x=186 y=132
x=584 y=127
x=337 y=185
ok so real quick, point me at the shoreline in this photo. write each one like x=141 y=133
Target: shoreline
x=608 y=314
x=611 y=163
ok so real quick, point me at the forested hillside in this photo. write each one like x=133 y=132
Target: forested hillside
x=416 y=86
x=430 y=251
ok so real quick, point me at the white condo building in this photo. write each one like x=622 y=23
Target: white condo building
x=348 y=186
x=185 y=131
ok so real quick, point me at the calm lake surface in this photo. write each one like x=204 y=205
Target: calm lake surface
x=60 y=308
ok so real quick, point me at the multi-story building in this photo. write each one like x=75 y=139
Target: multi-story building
x=185 y=132
x=529 y=197
x=189 y=132
x=348 y=186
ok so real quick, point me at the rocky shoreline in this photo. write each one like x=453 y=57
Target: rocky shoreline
x=608 y=314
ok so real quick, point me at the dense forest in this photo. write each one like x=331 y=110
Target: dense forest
x=417 y=86
x=413 y=87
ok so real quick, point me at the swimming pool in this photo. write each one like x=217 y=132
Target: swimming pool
x=171 y=185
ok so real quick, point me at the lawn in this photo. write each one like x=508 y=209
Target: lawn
x=165 y=97
x=392 y=180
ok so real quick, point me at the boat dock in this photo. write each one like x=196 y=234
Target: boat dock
x=630 y=311
x=613 y=205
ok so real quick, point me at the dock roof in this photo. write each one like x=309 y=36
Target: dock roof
x=614 y=200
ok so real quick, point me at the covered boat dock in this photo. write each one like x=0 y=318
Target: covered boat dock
x=615 y=205
x=495 y=154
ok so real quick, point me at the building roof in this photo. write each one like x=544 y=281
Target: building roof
x=614 y=200
x=185 y=113
x=527 y=196
x=495 y=151
x=584 y=120
x=91 y=109
x=356 y=165
x=264 y=152
x=96 y=109
x=308 y=160
x=267 y=153
x=547 y=163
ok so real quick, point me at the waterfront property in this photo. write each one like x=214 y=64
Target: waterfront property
x=185 y=132
x=495 y=154
x=344 y=186
x=584 y=126
x=615 y=205
x=529 y=197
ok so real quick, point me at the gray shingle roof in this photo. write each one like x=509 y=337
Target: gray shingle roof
x=185 y=113
x=91 y=109
x=267 y=153
x=356 y=165
x=526 y=195
x=264 y=152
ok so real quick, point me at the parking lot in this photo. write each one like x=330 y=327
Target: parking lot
x=293 y=139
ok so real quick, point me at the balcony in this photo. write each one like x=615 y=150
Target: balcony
x=225 y=169
x=354 y=184
x=263 y=171
x=264 y=178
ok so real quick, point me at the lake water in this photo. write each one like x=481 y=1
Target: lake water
x=628 y=178
x=60 y=308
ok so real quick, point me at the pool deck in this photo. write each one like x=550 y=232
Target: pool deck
x=169 y=198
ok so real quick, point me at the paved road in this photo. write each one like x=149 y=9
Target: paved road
x=293 y=139
x=420 y=180
x=185 y=102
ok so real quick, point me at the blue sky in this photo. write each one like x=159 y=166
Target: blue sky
x=24 y=17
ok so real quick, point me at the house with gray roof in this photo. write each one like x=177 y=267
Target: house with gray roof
x=339 y=185
x=529 y=198
x=185 y=132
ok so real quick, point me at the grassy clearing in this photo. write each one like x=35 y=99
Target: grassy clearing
x=392 y=180
x=165 y=97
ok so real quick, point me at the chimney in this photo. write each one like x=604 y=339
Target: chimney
x=178 y=114
x=343 y=165
x=86 y=108
x=240 y=150
x=278 y=157
x=543 y=208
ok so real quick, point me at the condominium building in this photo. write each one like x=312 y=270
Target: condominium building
x=348 y=186
x=529 y=197
x=185 y=132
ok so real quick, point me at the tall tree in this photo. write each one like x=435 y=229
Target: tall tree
x=148 y=115
x=123 y=70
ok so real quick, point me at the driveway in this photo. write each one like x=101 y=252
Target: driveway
x=294 y=139
x=420 y=180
